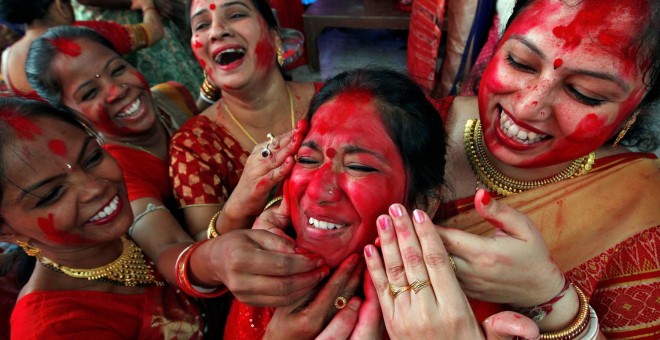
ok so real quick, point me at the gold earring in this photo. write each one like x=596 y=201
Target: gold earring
x=208 y=90
x=28 y=248
x=625 y=129
x=280 y=58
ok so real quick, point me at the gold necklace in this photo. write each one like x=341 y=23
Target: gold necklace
x=496 y=181
x=130 y=269
x=245 y=131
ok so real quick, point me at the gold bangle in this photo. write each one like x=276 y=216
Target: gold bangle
x=273 y=202
x=579 y=324
x=211 y=232
x=138 y=35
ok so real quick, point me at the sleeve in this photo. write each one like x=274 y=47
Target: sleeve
x=197 y=168
x=117 y=34
x=139 y=175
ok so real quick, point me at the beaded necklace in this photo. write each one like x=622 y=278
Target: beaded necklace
x=496 y=181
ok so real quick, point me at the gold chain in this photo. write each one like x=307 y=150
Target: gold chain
x=498 y=182
x=246 y=132
x=129 y=269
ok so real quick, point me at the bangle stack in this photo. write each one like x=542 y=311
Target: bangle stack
x=139 y=36
x=211 y=232
x=579 y=324
x=182 y=279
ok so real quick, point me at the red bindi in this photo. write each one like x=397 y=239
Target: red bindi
x=58 y=147
x=330 y=153
x=212 y=7
x=557 y=63
x=66 y=46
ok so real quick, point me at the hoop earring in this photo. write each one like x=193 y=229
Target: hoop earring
x=280 y=57
x=625 y=129
x=28 y=248
x=208 y=91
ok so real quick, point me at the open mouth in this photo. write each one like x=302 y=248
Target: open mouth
x=107 y=211
x=229 y=56
x=131 y=109
x=514 y=131
x=325 y=225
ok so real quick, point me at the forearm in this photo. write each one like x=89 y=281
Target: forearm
x=153 y=23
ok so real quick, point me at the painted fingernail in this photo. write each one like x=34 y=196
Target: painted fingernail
x=384 y=223
x=377 y=242
x=418 y=216
x=485 y=199
x=395 y=210
x=368 y=250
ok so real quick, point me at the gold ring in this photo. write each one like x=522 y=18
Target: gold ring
x=453 y=263
x=396 y=290
x=418 y=285
x=340 y=302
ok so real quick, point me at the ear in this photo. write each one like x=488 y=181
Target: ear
x=7 y=234
x=277 y=38
x=63 y=9
x=428 y=202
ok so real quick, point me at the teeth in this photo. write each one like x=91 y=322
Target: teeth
x=323 y=224
x=514 y=131
x=131 y=110
x=107 y=211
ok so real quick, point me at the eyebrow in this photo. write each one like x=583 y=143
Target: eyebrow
x=104 y=67
x=225 y=5
x=599 y=75
x=30 y=188
x=349 y=149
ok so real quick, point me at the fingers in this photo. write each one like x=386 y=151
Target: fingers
x=370 y=318
x=342 y=324
x=274 y=291
x=503 y=217
x=507 y=325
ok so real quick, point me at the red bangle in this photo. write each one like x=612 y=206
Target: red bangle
x=538 y=312
x=182 y=280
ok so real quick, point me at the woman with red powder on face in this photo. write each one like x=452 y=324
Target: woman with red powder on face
x=38 y=16
x=64 y=201
x=239 y=46
x=570 y=82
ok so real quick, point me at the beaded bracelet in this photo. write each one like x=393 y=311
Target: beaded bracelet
x=211 y=232
x=579 y=324
x=273 y=202
x=538 y=312
x=182 y=263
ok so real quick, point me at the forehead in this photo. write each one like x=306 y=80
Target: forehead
x=355 y=113
x=198 y=5
x=91 y=55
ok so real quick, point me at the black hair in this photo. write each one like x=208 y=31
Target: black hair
x=42 y=53
x=643 y=134
x=24 y=12
x=410 y=119
x=261 y=6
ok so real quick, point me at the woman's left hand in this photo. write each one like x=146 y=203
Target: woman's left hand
x=512 y=266
x=307 y=317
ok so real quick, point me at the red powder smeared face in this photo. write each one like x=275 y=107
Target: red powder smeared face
x=58 y=147
x=24 y=127
x=47 y=225
x=344 y=179
x=66 y=46
x=265 y=50
x=546 y=98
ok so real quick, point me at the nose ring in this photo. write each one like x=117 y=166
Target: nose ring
x=330 y=191
x=124 y=85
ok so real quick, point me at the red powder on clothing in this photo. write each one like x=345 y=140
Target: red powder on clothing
x=58 y=147
x=66 y=46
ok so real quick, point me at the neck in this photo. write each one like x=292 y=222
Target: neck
x=262 y=109
x=526 y=174
x=91 y=256
x=155 y=140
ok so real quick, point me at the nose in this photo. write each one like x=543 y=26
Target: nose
x=91 y=186
x=116 y=92
x=219 y=30
x=534 y=103
x=323 y=187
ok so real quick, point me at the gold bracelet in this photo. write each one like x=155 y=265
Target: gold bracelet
x=211 y=232
x=579 y=324
x=273 y=202
x=138 y=35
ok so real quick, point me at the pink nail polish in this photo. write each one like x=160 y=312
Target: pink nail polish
x=384 y=223
x=418 y=216
x=395 y=210
x=368 y=251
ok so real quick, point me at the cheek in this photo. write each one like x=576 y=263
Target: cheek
x=100 y=117
x=265 y=50
x=47 y=226
x=588 y=128
x=140 y=78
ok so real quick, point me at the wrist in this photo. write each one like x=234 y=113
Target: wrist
x=193 y=275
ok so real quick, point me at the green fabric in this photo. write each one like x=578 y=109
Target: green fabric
x=169 y=59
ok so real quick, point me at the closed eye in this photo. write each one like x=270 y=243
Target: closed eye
x=361 y=168
x=519 y=66
x=50 y=197
x=589 y=101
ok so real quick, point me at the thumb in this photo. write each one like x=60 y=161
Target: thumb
x=507 y=325
x=273 y=240
x=507 y=220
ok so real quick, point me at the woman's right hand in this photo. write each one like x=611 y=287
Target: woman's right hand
x=260 y=176
x=259 y=267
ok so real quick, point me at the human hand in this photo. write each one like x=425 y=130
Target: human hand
x=414 y=252
x=262 y=268
x=512 y=266
x=306 y=318
x=140 y=5
x=261 y=175
x=506 y=325
x=359 y=320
